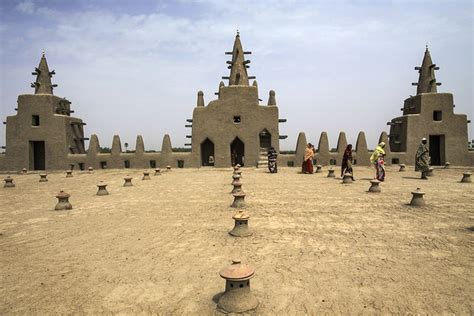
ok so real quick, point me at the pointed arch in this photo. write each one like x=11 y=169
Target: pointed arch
x=207 y=153
x=237 y=152
x=265 y=139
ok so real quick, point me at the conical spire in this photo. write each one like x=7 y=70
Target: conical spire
x=427 y=80
x=238 y=65
x=43 y=84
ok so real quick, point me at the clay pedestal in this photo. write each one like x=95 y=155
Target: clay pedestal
x=43 y=177
x=319 y=169
x=128 y=181
x=146 y=176
x=347 y=178
x=157 y=172
x=237 y=297
x=374 y=186
x=239 y=199
x=63 y=201
x=102 y=189
x=402 y=167
x=417 y=199
x=69 y=173
x=430 y=172
x=8 y=182
x=331 y=173
x=241 y=226
x=466 y=177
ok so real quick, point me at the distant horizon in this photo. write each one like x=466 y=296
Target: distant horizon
x=135 y=69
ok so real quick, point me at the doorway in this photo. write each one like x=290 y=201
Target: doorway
x=37 y=155
x=436 y=144
x=237 y=152
x=207 y=153
x=265 y=139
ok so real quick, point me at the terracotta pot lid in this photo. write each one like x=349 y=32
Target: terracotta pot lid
x=242 y=193
x=102 y=184
x=237 y=271
x=128 y=178
x=418 y=192
x=374 y=181
x=62 y=194
x=241 y=215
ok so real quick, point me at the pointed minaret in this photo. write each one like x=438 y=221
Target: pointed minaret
x=166 y=144
x=116 y=145
x=94 y=147
x=427 y=80
x=139 y=145
x=341 y=142
x=43 y=83
x=200 y=98
x=238 y=65
x=271 y=98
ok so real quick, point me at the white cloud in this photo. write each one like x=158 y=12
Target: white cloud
x=27 y=7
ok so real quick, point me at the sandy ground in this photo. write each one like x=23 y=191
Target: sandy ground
x=318 y=246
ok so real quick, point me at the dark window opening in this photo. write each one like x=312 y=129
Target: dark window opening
x=290 y=163
x=395 y=161
x=81 y=165
x=126 y=163
x=103 y=164
x=35 y=120
x=332 y=162
x=237 y=119
x=152 y=163
x=437 y=115
x=354 y=162
x=71 y=166
x=180 y=163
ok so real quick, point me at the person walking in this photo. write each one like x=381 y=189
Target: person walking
x=422 y=159
x=378 y=160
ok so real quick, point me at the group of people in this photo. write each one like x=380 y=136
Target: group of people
x=377 y=159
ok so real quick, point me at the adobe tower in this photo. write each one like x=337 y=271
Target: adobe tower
x=431 y=115
x=42 y=133
x=235 y=128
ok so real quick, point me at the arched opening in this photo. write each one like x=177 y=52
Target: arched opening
x=265 y=139
x=237 y=152
x=207 y=153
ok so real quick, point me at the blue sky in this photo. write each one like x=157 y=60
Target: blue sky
x=134 y=67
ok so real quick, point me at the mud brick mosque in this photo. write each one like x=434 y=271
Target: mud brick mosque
x=234 y=128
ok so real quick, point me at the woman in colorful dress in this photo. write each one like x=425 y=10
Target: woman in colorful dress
x=272 y=160
x=377 y=159
x=308 y=159
x=346 y=165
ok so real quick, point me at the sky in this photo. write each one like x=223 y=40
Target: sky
x=135 y=67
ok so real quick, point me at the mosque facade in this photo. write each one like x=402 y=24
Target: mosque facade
x=233 y=128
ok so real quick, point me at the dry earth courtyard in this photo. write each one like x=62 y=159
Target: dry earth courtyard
x=157 y=247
